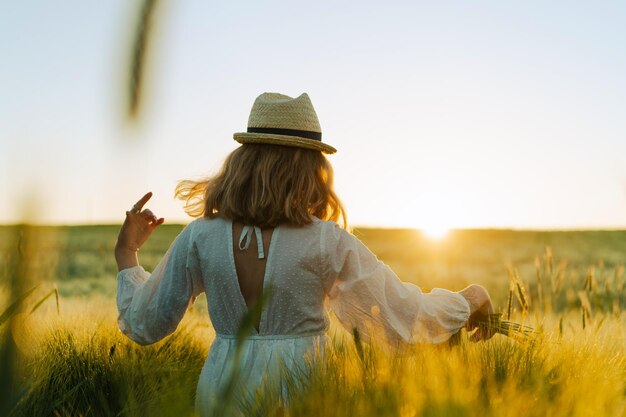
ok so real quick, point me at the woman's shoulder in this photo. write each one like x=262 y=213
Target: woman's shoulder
x=207 y=221
x=206 y=225
x=331 y=231
x=329 y=225
x=316 y=224
x=312 y=232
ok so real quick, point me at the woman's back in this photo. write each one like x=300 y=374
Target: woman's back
x=290 y=273
x=237 y=264
x=249 y=264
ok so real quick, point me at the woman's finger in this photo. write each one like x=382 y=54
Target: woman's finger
x=151 y=218
x=157 y=223
x=478 y=335
x=475 y=337
x=148 y=214
x=490 y=334
x=142 y=202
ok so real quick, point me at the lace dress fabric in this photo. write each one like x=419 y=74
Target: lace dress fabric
x=309 y=270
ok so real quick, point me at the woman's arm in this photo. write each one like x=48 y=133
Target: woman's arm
x=150 y=305
x=125 y=258
x=366 y=294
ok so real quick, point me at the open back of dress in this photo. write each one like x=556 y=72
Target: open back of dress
x=250 y=252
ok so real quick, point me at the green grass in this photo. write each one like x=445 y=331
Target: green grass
x=75 y=362
x=82 y=367
x=79 y=258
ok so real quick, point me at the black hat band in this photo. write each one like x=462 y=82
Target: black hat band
x=287 y=132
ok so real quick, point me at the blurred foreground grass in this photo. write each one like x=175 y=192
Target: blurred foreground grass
x=79 y=364
x=75 y=362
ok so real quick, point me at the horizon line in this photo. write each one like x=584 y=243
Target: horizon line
x=369 y=226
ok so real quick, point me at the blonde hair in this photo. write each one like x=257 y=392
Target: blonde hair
x=266 y=185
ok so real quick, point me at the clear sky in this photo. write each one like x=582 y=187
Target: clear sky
x=444 y=114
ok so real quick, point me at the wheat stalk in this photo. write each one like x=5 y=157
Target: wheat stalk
x=506 y=327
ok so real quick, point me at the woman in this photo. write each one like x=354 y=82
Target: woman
x=267 y=230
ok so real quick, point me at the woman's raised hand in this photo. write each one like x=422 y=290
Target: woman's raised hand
x=480 y=309
x=137 y=228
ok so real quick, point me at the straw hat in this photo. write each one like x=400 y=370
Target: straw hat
x=278 y=119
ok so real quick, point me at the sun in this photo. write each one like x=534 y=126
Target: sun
x=435 y=231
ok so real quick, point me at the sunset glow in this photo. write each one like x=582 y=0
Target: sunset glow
x=435 y=232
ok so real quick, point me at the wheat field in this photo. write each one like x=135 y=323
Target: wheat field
x=62 y=354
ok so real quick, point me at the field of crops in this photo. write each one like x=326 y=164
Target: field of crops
x=62 y=354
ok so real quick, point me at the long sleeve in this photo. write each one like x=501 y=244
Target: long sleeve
x=366 y=294
x=150 y=306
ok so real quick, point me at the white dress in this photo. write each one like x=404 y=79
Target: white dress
x=309 y=270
